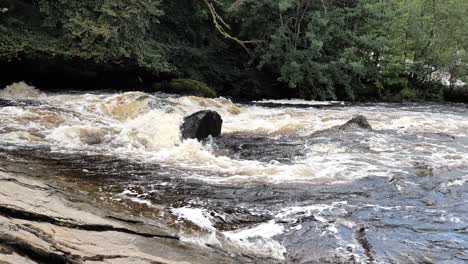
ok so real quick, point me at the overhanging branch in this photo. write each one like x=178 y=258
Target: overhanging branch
x=222 y=27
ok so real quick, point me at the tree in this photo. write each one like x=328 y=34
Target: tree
x=347 y=49
x=103 y=31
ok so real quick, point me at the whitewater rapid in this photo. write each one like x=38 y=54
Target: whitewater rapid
x=407 y=141
x=146 y=127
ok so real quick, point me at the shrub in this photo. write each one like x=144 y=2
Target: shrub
x=407 y=94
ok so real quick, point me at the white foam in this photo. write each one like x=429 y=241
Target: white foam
x=125 y=125
x=299 y=102
x=457 y=182
x=153 y=130
x=20 y=136
x=319 y=211
x=134 y=197
x=259 y=239
x=198 y=216
x=21 y=90
x=191 y=104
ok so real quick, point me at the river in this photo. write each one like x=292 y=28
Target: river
x=282 y=184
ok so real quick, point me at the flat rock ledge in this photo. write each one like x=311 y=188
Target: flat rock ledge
x=37 y=225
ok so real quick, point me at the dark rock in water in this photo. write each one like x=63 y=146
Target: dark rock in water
x=4 y=102
x=357 y=122
x=360 y=121
x=264 y=149
x=202 y=124
x=7 y=102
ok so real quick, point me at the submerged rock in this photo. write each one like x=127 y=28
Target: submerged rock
x=202 y=124
x=360 y=121
x=266 y=149
x=20 y=103
x=92 y=136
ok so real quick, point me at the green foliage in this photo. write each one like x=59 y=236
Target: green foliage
x=104 y=31
x=407 y=94
x=186 y=87
x=409 y=41
x=352 y=50
x=325 y=49
x=306 y=45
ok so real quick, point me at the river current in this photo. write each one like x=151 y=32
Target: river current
x=282 y=184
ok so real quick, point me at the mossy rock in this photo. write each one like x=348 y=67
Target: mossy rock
x=185 y=87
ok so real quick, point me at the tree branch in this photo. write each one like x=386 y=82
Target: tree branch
x=222 y=27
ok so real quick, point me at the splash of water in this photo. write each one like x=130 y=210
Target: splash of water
x=21 y=90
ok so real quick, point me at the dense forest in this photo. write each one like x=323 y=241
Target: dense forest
x=312 y=49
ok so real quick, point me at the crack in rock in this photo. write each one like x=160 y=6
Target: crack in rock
x=24 y=184
x=366 y=245
x=37 y=254
x=12 y=244
x=11 y=212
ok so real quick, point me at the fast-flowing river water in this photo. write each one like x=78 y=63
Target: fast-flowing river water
x=282 y=184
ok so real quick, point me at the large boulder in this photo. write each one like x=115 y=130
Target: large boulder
x=359 y=121
x=202 y=124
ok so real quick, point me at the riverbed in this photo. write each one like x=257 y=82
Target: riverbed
x=283 y=184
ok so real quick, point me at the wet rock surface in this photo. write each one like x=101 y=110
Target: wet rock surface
x=89 y=205
x=7 y=102
x=202 y=124
x=45 y=229
x=286 y=148
x=260 y=148
x=360 y=121
x=43 y=224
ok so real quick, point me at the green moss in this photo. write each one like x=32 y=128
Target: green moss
x=185 y=87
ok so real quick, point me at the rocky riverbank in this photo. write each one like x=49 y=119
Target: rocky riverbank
x=42 y=222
